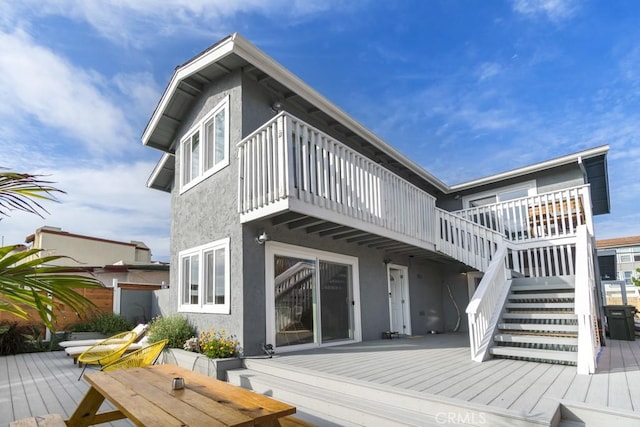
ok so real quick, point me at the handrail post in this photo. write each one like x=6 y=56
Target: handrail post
x=588 y=344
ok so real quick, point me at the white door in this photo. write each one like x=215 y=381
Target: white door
x=398 y=300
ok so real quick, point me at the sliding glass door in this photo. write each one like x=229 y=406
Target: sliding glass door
x=336 y=314
x=312 y=297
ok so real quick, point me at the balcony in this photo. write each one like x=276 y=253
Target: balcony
x=289 y=166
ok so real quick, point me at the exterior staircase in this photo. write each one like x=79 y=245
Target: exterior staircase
x=538 y=321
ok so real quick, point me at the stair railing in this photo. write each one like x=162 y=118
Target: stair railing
x=483 y=311
x=468 y=242
x=585 y=303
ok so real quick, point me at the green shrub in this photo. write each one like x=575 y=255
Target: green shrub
x=110 y=324
x=174 y=328
x=105 y=323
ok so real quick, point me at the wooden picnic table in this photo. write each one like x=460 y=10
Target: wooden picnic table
x=146 y=397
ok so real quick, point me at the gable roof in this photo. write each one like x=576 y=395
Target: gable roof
x=235 y=52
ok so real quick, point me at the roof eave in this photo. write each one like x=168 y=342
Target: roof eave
x=537 y=167
x=236 y=44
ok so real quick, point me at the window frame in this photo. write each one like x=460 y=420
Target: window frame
x=200 y=129
x=530 y=186
x=200 y=253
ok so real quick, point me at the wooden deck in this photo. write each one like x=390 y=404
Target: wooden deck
x=441 y=365
x=40 y=383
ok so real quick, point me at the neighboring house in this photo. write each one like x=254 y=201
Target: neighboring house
x=619 y=260
x=293 y=225
x=124 y=266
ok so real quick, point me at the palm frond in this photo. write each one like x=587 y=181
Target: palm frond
x=27 y=280
x=20 y=191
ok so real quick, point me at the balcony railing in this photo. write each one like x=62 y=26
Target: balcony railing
x=289 y=165
x=550 y=215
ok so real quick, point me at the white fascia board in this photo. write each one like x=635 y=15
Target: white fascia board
x=202 y=61
x=559 y=161
x=156 y=170
x=255 y=56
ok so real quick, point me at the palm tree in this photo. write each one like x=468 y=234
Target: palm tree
x=26 y=279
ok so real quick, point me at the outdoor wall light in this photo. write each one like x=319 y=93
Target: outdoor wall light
x=262 y=237
x=277 y=106
x=386 y=260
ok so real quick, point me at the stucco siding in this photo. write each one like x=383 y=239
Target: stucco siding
x=207 y=212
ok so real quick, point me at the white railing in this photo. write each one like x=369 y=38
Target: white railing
x=550 y=215
x=542 y=258
x=288 y=161
x=466 y=241
x=585 y=304
x=483 y=311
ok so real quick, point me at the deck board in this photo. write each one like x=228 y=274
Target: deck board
x=440 y=365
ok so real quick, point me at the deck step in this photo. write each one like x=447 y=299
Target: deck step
x=535 y=339
x=345 y=409
x=538 y=305
x=535 y=354
x=550 y=281
x=542 y=287
x=540 y=316
x=348 y=401
x=542 y=296
x=538 y=327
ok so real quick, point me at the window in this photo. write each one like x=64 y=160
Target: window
x=205 y=149
x=625 y=257
x=204 y=278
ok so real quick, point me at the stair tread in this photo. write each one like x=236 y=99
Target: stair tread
x=540 y=305
x=542 y=287
x=567 y=356
x=535 y=339
x=541 y=316
x=543 y=295
x=538 y=327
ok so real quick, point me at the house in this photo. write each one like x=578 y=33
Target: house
x=619 y=261
x=293 y=225
x=125 y=268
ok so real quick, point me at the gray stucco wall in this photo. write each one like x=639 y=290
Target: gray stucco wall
x=207 y=212
x=565 y=176
x=425 y=282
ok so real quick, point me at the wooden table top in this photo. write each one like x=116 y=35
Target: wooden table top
x=146 y=397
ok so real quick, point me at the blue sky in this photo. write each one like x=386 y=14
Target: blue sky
x=465 y=88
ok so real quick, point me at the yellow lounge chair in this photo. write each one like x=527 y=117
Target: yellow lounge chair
x=106 y=351
x=146 y=356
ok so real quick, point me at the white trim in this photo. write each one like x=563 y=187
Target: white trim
x=199 y=128
x=224 y=48
x=277 y=248
x=471 y=282
x=529 y=185
x=404 y=290
x=202 y=307
x=559 y=161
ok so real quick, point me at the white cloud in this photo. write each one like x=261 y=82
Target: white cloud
x=140 y=22
x=554 y=10
x=110 y=201
x=488 y=70
x=37 y=84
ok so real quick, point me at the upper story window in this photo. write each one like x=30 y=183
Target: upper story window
x=205 y=148
x=204 y=278
x=500 y=195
